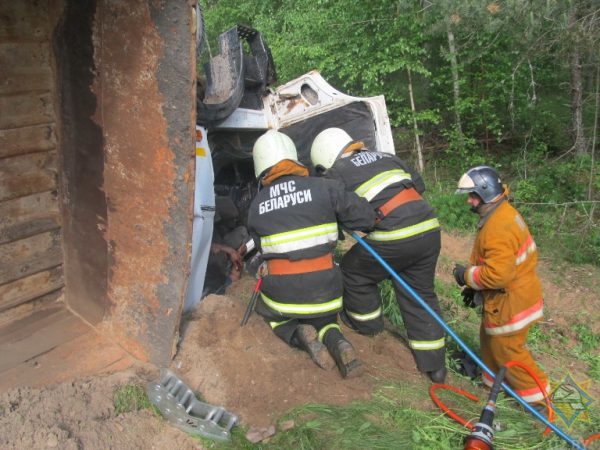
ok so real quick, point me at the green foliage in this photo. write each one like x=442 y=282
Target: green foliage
x=452 y=210
x=586 y=349
x=594 y=368
x=462 y=152
x=131 y=397
x=538 y=338
x=388 y=301
x=514 y=95
x=588 y=340
x=391 y=421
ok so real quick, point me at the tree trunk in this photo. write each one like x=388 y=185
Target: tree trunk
x=594 y=134
x=455 y=83
x=580 y=142
x=415 y=127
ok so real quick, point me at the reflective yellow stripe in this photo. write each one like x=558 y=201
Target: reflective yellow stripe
x=326 y=328
x=379 y=182
x=290 y=308
x=427 y=345
x=299 y=239
x=403 y=233
x=364 y=317
x=276 y=324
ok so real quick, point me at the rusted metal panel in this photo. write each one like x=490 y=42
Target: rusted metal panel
x=127 y=72
x=25 y=20
x=148 y=122
x=26 y=216
x=31 y=287
x=26 y=109
x=19 y=141
x=27 y=174
x=25 y=67
x=30 y=255
x=82 y=198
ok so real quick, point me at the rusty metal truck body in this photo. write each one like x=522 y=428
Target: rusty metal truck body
x=98 y=113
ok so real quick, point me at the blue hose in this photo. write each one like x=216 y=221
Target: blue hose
x=464 y=346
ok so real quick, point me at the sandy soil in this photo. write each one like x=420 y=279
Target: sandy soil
x=247 y=370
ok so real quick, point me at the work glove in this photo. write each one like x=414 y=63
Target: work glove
x=468 y=296
x=459 y=274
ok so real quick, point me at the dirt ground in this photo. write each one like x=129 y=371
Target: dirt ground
x=245 y=369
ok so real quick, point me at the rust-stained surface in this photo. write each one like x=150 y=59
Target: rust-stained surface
x=144 y=53
x=128 y=111
x=82 y=200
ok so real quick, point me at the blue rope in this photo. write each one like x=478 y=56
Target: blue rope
x=454 y=336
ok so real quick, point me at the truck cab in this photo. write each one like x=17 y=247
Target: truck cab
x=240 y=101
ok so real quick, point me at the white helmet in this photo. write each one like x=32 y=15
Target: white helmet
x=271 y=148
x=328 y=145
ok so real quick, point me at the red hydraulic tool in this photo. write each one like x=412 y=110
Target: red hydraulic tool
x=252 y=303
x=483 y=432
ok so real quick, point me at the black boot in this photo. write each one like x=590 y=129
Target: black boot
x=346 y=358
x=307 y=339
x=438 y=376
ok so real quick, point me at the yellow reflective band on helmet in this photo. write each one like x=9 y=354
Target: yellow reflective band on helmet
x=326 y=328
x=290 y=308
x=365 y=317
x=276 y=324
x=427 y=345
x=300 y=239
x=379 y=182
x=404 y=233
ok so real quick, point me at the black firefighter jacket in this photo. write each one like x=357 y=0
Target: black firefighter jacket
x=378 y=177
x=296 y=218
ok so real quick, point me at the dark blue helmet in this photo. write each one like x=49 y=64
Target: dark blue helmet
x=483 y=181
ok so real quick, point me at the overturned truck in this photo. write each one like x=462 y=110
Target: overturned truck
x=110 y=161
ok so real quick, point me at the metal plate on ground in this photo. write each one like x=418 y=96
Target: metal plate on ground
x=178 y=404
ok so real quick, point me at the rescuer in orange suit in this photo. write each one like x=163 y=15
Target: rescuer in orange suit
x=502 y=273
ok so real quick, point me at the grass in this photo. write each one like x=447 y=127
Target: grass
x=586 y=349
x=391 y=421
x=131 y=397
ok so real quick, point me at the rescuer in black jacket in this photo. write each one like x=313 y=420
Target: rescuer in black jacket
x=407 y=237
x=294 y=221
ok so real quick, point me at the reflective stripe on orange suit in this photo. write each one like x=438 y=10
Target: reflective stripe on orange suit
x=498 y=350
x=504 y=261
x=512 y=292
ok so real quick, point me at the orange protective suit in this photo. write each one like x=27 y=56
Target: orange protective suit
x=503 y=266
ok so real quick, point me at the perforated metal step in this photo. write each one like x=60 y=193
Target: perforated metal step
x=178 y=404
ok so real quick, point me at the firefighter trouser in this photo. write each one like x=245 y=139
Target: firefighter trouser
x=498 y=350
x=415 y=262
x=326 y=326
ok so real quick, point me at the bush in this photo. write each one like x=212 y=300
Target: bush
x=452 y=210
x=551 y=196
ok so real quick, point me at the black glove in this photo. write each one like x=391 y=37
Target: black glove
x=468 y=295
x=459 y=274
